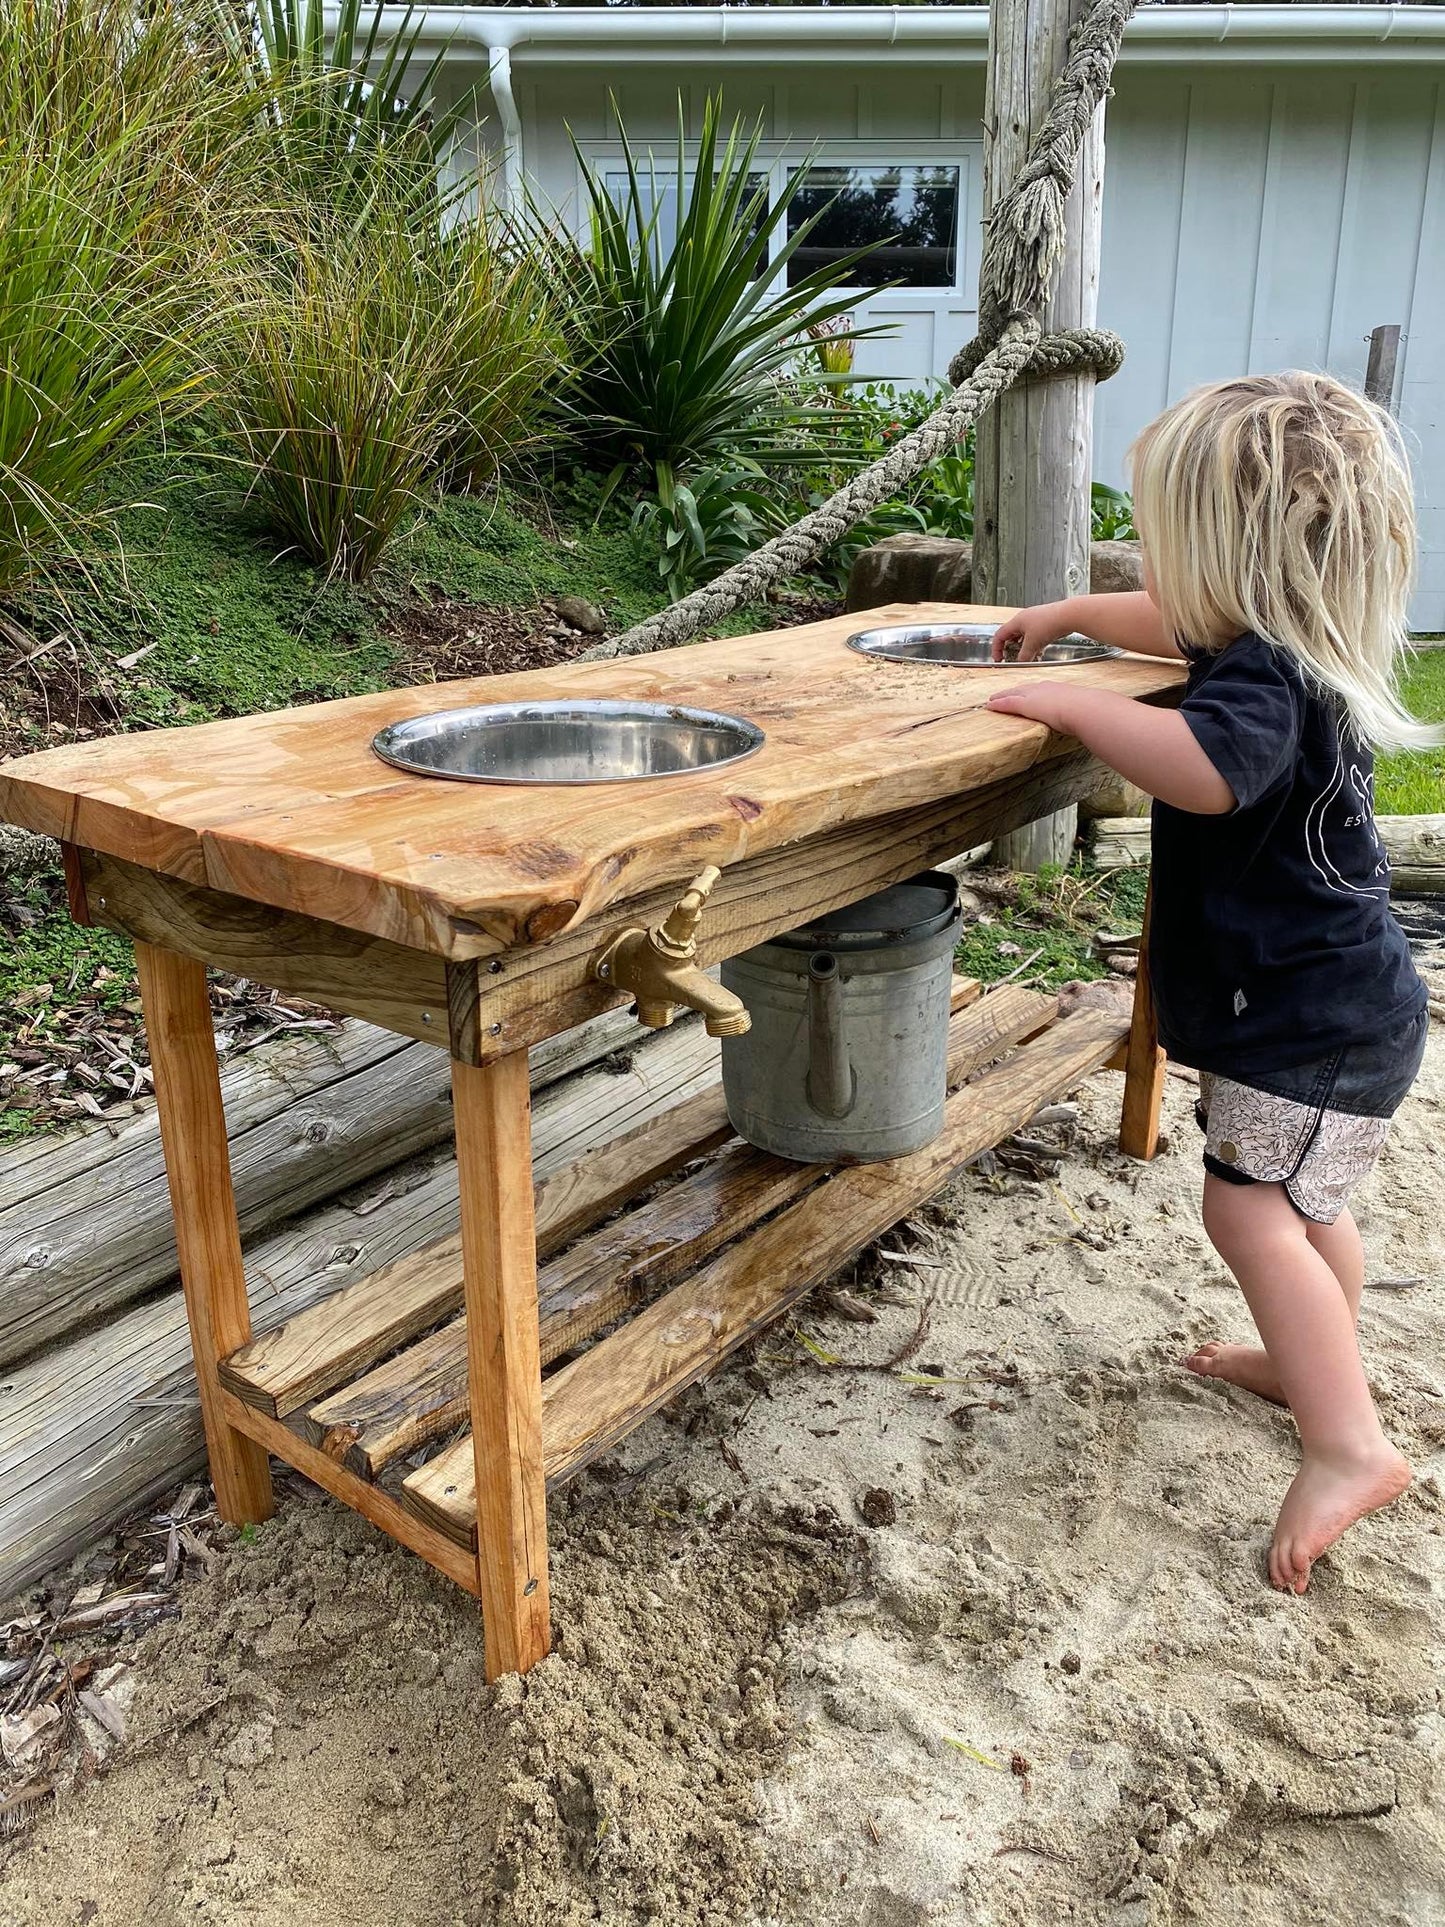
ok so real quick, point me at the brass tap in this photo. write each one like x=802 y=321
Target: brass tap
x=657 y=966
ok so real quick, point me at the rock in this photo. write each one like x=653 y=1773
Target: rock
x=1071 y=1663
x=1114 y=797
x=911 y=568
x=878 y=1507
x=22 y=853
x=935 y=568
x=1115 y=568
x=1104 y=993
x=578 y=613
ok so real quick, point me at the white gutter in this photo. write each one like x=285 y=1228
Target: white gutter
x=1190 y=34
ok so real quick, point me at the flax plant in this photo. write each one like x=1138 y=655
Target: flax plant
x=117 y=131
x=374 y=360
x=691 y=348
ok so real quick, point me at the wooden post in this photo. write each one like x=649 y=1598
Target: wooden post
x=1380 y=368
x=1143 y=1061
x=504 y=1368
x=208 y=1239
x=1034 y=447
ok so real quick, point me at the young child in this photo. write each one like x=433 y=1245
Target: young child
x=1278 y=536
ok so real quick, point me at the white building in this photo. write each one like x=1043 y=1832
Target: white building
x=1274 y=183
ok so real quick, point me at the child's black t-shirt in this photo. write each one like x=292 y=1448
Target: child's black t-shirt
x=1271 y=940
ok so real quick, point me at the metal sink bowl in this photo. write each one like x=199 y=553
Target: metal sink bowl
x=565 y=742
x=966 y=645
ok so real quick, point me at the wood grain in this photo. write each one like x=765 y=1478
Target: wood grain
x=1143 y=1059
x=377 y=1507
x=331 y=1341
x=609 y=1390
x=526 y=993
x=1033 y=447
x=292 y=809
x=422 y=1392
x=85 y=1220
x=504 y=1375
x=388 y=984
x=208 y=1240
x=106 y=1421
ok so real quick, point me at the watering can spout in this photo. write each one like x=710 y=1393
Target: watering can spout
x=832 y=1086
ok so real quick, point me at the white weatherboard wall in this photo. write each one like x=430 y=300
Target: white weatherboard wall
x=1255 y=217
x=1256 y=220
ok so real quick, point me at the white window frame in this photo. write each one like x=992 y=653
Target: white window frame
x=779 y=159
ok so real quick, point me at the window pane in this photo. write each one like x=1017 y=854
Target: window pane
x=913 y=211
x=661 y=192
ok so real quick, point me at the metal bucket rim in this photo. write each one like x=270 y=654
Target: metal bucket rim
x=817 y=935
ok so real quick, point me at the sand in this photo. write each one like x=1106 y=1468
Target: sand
x=839 y=1647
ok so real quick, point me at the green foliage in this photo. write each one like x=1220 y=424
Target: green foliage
x=343 y=96
x=1047 y=923
x=512 y=551
x=387 y=355
x=117 y=132
x=1411 y=782
x=702 y=527
x=1112 y=514
x=47 y=965
x=685 y=353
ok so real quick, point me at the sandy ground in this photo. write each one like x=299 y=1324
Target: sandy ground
x=838 y=1646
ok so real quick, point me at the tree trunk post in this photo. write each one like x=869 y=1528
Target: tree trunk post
x=1034 y=447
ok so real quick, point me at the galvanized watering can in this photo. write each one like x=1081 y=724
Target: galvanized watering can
x=848 y=1052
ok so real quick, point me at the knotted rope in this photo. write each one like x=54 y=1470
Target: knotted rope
x=1022 y=252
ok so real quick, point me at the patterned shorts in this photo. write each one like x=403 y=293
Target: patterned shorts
x=1316 y=1129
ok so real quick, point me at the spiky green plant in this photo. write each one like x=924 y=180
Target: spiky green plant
x=507 y=352
x=345 y=86
x=393 y=354
x=686 y=352
x=117 y=131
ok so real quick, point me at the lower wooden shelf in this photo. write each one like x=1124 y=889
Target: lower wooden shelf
x=353 y=1386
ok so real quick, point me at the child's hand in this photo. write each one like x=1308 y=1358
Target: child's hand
x=1040 y=702
x=1032 y=629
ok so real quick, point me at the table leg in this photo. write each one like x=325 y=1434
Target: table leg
x=208 y=1239
x=1143 y=1061
x=504 y=1370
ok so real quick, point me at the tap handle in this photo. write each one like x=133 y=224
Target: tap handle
x=678 y=930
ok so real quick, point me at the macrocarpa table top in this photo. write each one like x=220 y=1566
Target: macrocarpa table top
x=293 y=809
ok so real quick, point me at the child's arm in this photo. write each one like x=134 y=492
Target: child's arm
x=1154 y=748
x=1130 y=621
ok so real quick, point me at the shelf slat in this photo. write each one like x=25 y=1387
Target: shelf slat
x=422 y=1392
x=331 y=1341
x=597 y=1399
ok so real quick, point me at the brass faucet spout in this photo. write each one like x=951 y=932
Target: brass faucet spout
x=658 y=967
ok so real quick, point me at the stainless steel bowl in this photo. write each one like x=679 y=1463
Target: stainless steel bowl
x=965 y=645
x=565 y=742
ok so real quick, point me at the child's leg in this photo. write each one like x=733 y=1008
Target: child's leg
x=1305 y=1317
x=1251 y=1366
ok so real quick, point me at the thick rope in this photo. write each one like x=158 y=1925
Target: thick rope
x=1023 y=250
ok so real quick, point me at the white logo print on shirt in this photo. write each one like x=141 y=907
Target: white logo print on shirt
x=1355 y=788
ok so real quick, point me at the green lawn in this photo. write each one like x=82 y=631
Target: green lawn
x=1412 y=782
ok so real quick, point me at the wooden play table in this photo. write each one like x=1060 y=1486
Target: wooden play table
x=281 y=848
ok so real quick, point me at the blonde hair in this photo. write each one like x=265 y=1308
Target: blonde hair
x=1281 y=504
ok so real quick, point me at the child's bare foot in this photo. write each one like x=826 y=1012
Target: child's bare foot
x=1247 y=1365
x=1327 y=1497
